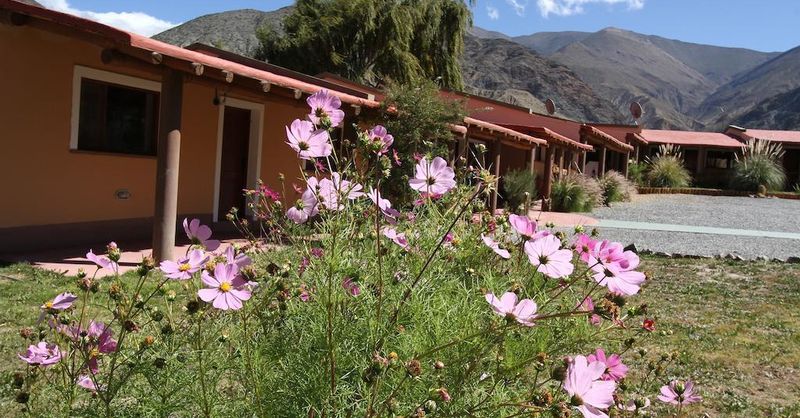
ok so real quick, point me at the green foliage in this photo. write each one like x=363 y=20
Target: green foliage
x=616 y=188
x=372 y=41
x=419 y=120
x=516 y=184
x=667 y=170
x=759 y=165
x=637 y=173
x=576 y=193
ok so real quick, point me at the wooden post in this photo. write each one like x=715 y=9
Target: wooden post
x=167 y=165
x=461 y=148
x=532 y=161
x=583 y=161
x=625 y=164
x=601 y=169
x=498 y=146
x=636 y=153
x=701 y=153
x=547 y=186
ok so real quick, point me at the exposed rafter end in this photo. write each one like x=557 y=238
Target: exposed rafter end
x=266 y=86
x=298 y=94
x=156 y=58
x=198 y=68
x=228 y=76
x=356 y=110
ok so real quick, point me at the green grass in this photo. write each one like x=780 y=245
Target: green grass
x=735 y=325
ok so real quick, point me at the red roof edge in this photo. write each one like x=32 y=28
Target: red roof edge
x=604 y=137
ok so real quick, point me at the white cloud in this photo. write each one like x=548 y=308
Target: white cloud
x=492 y=12
x=571 y=7
x=518 y=6
x=136 y=22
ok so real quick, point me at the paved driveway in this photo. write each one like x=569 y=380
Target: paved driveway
x=706 y=225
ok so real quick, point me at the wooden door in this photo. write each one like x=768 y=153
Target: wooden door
x=233 y=167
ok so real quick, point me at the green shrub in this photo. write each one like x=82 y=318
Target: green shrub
x=616 y=188
x=760 y=165
x=637 y=172
x=515 y=185
x=576 y=193
x=667 y=170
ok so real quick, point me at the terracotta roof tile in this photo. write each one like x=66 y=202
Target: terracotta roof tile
x=689 y=138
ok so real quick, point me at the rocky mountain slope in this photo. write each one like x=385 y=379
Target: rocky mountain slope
x=780 y=112
x=509 y=72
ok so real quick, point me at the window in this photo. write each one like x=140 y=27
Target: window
x=719 y=159
x=114 y=113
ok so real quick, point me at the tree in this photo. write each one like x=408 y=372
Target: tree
x=372 y=41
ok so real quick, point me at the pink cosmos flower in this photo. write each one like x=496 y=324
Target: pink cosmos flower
x=317 y=252
x=331 y=191
x=495 y=247
x=241 y=260
x=396 y=158
x=383 y=204
x=649 y=325
x=306 y=207
x=96 y=339
x=584 y=246
x=41 y=354
x=379 y=134
x=636 y=404
x=448 y=238
x=434 y=177
x=397 y=238
x=102 y=262
x=325 y=106
x=60 y=302
x=679 y=393
x=615 y=370
x=308 y=142
x=588 y=305
x=186 y=266
x=589 y=395
x=525 y=227
x=546 y=254
x=614 y=268
x=199 y=234
x=351 y=287
x=506 y=306
x=226 y=288
x=87 y=383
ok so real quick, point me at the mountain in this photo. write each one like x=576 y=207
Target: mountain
x=233 y=31
x=509 y=72
x=670 y=78
x=547 y=43
x=750 y=89
x=482 y=33
x=781 y=112
x=31 y=2
x=528 y=81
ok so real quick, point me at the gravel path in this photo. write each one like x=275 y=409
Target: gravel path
x=781 y=215
x=712 y=211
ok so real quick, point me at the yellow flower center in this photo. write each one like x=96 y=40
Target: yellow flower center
x=184 y=267
x=94 y=353
x=225 y=287
x=48 y=305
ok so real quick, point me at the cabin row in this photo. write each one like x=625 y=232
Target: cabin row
x=111 y=135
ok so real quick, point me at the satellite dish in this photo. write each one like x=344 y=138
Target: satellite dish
x=636 y=110
x=550 y=105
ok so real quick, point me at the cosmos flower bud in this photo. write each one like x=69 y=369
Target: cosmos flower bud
x=22 y=397
x=25 y=332
x=444 y=395
x=558 y=373
x=148 y=341
x=438 y=365
x=414 y=368
x=18 y=379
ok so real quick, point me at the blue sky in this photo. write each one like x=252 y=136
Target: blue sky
x=766 y=25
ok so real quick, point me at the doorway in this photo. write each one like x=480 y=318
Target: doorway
x=238 y=155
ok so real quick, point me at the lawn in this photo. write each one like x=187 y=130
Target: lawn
x=735 y=325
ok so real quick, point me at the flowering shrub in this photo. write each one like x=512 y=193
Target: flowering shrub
x=370 y=311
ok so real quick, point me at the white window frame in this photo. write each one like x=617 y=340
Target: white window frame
x=253 y=151
x=81 y=72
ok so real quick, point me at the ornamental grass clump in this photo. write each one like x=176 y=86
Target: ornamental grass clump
x=616 y=188
x=575 y=192
x=759 y=165
x=367 y=309
x=518 y=187
x=667 y=169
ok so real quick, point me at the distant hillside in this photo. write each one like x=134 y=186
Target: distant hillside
x=31 y=2
x=509 y=72
x=479 y=32
x=233 y=31
x=547 y=43
x=774 y=77
x=781 y=112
